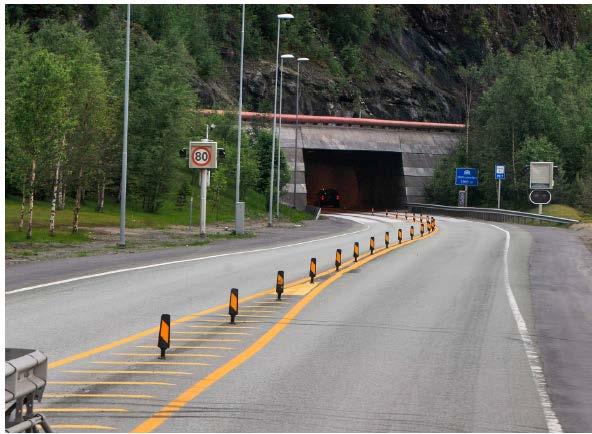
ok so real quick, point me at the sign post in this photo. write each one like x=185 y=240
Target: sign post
x=500 y=173
x=541 y=181
x=203 y=156
x=467 y=176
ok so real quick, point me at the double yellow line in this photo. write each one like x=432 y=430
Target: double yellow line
x=200 y=386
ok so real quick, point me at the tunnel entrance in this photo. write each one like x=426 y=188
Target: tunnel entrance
x=364 y=179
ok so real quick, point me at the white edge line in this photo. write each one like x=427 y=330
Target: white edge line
x=180 y=261
x=532 y=356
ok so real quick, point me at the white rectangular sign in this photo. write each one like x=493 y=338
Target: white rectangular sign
x=541 y=175
x=203 y=155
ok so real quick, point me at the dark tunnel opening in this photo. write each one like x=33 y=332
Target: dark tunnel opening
x=364 y=179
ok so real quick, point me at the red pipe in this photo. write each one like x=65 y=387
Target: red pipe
x=308 y=119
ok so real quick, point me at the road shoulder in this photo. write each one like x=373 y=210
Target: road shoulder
x=35 y=273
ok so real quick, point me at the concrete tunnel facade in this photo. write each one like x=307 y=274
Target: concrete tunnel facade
x=370 y=167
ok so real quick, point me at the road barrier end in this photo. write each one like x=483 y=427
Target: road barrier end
x=279 y=284
x=387 y=238
x=411 y=231
x=337 y=259
x=400 y=235
x=313 y=269
x=371 y=245
x=356 y=251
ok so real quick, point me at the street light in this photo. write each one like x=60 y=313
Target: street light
x=300 y=59
x=277 y=59
x=239 y=209
x=123 y=190
x=277 y=199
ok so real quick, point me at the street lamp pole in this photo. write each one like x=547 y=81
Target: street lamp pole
x=277 y=59
x=300 y=59
x=123 y=190
x=238 y=215
x=279 y=148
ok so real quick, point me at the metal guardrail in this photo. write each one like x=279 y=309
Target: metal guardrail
x=25 y=380
x=491 y=214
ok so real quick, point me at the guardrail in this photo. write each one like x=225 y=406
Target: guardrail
x=25 y=380
x=491 y=214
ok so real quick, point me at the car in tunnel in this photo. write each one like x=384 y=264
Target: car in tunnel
x=328 y=197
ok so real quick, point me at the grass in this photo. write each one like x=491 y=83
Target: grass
x=564 y=211
x=169 y=215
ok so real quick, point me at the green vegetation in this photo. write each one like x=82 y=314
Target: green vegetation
x=564 y=211
x=533 y=106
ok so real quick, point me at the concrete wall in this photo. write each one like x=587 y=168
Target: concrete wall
x=420 y=151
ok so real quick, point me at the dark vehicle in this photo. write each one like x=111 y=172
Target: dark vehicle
x=328 y=197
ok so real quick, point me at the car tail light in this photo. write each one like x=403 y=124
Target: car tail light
x=338 y=197
x=322 y=197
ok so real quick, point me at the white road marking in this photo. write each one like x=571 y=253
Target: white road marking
x=181 y=261
x=553 y=424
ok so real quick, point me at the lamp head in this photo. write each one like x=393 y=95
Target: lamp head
x=285 y=16
x=287 y=56
x=303 y=59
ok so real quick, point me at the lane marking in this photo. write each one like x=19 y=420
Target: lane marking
x=81 y=410
x=125 y=383
x=227 y=326
x=152 y=363
x=169 y=354
x=205 y=340
x=158 y=418
x=246 y=316
x=532 y=355
x=97 y=395
x=148 y=332
x=79 y=427
x=180 y=261
x=107 y=371
x=213 y=333
x=189 y=347
x=253 y=310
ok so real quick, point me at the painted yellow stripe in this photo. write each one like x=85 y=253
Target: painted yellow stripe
x=114 y=383
x=248 y=316
x=251 y=310
x=302 y=289
x=107 y=371
x=80 y=410
x=152 y=363
x=212 y=333
x=79 y=427
x=196 y=389
x=97 y=395
x=227 y=326
x=168 y=355
x=190 y=347
x=237 y=321
x=204 y=340
x=148 y=332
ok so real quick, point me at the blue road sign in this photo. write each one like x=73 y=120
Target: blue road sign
x=467 y=176
x=500 y=171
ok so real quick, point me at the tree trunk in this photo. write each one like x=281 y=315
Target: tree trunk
x=101 y=195
x=31 y=199
x=22 y=215
x=61 y=193
x=54 y=198
x=75 y=220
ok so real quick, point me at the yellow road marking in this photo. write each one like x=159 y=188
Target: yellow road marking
x=248 y=316
x=81 y=410
x=271 y=303
x=148 y=332
x=196 y=389
x=237 y=321
x=168 y=355
x=190 y=347
x=152 y=363
x=252 y=310
x=127 y=383
x=107 y=371
x=302 y=289
x=79 y=427
x=227 y=326
x=212 y=333
x=96 y=395
x=204 y=340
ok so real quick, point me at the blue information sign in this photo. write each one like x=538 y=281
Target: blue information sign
x=467 y=176
x=500 y=171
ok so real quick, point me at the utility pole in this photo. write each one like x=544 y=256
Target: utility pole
x=239 y=208
x=123 y=189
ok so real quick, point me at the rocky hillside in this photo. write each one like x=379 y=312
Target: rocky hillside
x=409 y=71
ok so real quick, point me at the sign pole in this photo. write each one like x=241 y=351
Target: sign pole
x=203 y=173
x=540 y=208
x=499 y=191
x=123 y=190
x=190 y=211
x=466 y=195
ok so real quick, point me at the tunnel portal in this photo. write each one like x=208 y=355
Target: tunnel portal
x=364 y=179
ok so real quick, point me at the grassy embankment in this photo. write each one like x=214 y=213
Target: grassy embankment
x=168 y=215
x=564 y=211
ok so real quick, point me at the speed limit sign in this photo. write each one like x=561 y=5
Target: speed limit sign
x=203 y=155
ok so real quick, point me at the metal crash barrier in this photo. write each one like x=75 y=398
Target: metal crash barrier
x=26 y=374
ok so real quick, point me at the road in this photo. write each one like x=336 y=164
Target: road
x=433 y=335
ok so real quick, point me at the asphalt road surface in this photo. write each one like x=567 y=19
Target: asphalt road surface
x=438 y=334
